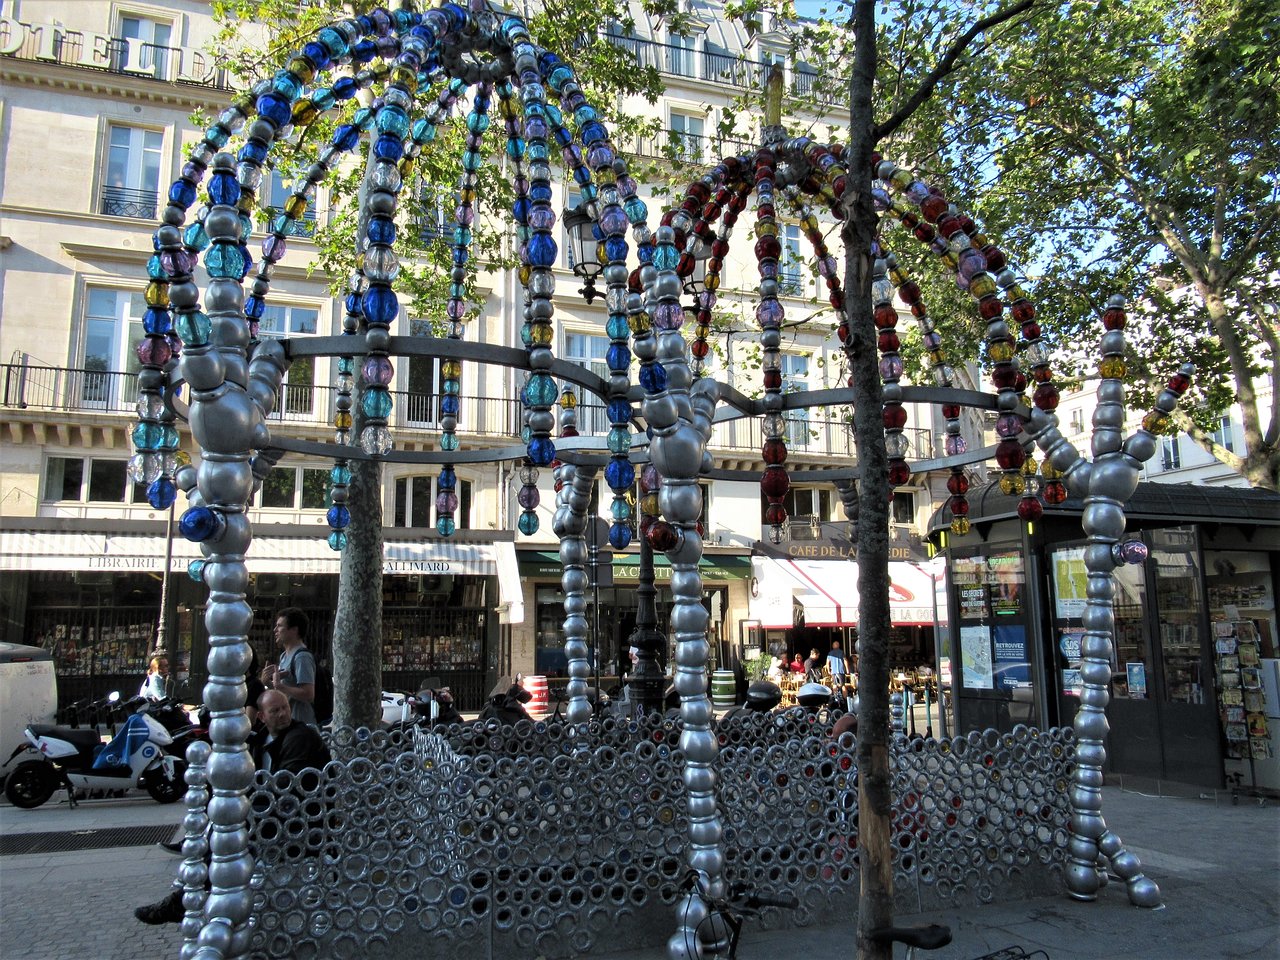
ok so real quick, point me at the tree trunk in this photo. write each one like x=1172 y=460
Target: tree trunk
x=357 y=624
x=875 y=907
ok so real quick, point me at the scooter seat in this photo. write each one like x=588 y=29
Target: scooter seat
x=82 y=740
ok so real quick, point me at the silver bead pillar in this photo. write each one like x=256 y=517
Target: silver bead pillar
x=570 y=524
x=195 y=845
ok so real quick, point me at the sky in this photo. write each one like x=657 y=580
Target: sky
x=811 y=8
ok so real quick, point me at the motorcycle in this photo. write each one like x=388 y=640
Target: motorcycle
x=77 y=760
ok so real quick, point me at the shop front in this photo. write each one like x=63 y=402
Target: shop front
x=93 y=599
x=1193 y=696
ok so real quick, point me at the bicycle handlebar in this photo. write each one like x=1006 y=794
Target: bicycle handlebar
x=787 y=902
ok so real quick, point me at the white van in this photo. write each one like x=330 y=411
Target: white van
x=28 y=694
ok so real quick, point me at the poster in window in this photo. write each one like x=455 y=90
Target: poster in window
x=969 y=576
x=1005 y=578
x=1070 y=583
x=1072 y=682
x=1137 y=675
x=1069 y=643
x=975 y=658
x=1012 y=668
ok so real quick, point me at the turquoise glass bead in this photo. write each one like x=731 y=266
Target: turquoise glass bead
x=666 y=256
x=340 y=475
x=194 y=237
x=376 y=403
x=224 y=261
x=541 y=390
x=391 y=119
x=337 y=540
x=147 y=436
x=448 y=441
x=619 y=440
x=528 y=523
x=194 y=328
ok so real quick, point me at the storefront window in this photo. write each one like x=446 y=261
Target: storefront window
x=1177 y=568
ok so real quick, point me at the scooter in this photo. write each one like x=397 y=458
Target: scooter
x=77 y=760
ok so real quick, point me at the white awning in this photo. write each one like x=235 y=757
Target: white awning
x=828 y=592
x=144 y=553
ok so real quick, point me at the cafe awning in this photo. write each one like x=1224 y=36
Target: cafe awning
x=827 y=591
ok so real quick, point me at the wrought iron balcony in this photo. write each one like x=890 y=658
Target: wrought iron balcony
x=127 y=202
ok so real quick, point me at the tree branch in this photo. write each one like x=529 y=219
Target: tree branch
x=945 y=66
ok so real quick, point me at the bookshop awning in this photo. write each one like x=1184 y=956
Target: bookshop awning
x=827 y=592
x=33 y=550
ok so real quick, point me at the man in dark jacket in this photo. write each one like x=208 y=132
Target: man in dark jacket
x=285 y=743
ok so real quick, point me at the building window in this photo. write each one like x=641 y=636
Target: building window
x=590 y=352
x=414 y=504
x=790 y=278
x=277 y=189
x=1077 y=420
x=293 y=488
x=90 y=480
x=132 y=187
x=422 y=383
x=298 y=390
x=146 y=48
x=1224 y=436
x=805 y=505
x=804 y=79
x=109 y=365
x=904 y=507
x=436 y=213
x=795 y=378
x=680 y=56
x=687 y=139
x=1170 y=453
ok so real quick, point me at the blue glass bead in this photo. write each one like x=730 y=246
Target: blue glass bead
x=337 y=540
x=520 y=210
x=346 y=136
x=346 y=366
x=541 y=390
x=620 y=536
x=593 y=132
x=352 y=303
x=410 y=20
x=582 y=176
x=162 y=493
x=223 y=189
x=541 y=452
x=636 y=210
x=344 y=88
x=618 y=357
x=620 y=474
x=589 y=191
x=449 y=405
x=388 y=147
x=334 y=43
x=653 y=377
x=380 y=305
x=195 y=237
x=195 y=570
x=445 y=526
x=448 y=478
x=616 y=326
x=340 y=475
x=619 y=440
x=645 y=252
x=194 y=328
x=528 y=523
x=157 y=320
x=200 y=523
x=619 y=411
x=376 y=403
x=460 y=256
x=364 y=51
x=318 y=55
x=247 y=259
x=448 y=441
x=338 y=516
x=275 y=108
x=615 y=248
x=286 y=84
x=542 y=250
x=462 y=236
x=392 y=119
x=666 y=256
x=382 y=230
x=155 y=270
x=182 y=193
x=540 y=192
x=253 y=150
x=457 y=16
x=563 y=137
x=217 y=135
x=254 y=307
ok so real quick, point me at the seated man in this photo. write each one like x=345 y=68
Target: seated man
x=283 y=744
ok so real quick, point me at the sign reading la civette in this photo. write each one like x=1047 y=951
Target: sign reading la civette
x=56 y=43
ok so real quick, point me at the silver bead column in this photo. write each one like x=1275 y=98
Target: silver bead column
x=195 y=845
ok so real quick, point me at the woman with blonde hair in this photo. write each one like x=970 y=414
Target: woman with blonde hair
x=156 y=686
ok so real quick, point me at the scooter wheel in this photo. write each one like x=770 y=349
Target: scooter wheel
x=30 y=784
x=163 y=790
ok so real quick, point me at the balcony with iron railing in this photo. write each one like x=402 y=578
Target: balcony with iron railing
x=28 y=386
x=713 y=66
x=51 y=43
x=128 y=202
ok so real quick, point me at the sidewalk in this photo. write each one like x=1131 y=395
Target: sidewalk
x=1217 y=865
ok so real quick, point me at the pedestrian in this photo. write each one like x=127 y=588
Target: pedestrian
x=797 y=665
x=835 y=663
x=156 y=685
x=812 y=671
x=295 y=676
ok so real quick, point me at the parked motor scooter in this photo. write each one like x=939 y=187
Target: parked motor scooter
x=78 y=760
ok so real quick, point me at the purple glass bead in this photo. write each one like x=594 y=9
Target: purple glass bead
x=542 y=218
x=465 y=214
x=955 y=445
x=891 y=367
x=154 y=351
x=669 y=316
x=707 y=299
x=917 y=191
x=1008 y=425
x=522 y=185
x=388 y=47
x=626 y=187
x=827 y=267
x=378 y=370
x=193 y=172
x=971 y=263
x=650 y=479
x=528 y=497
x=535 y=128
x=769 y=269
x=880 y=198
x=273 y=248
x=600 y=156
x=457 y=309
x=613 y=220
x=770 y=313
x=939 y=245
x=446 y=501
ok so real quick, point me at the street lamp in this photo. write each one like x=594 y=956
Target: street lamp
x=583 y=258
x=696 y=282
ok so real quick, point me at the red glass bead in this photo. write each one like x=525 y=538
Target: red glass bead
x=685 y=265
x=768 y=248
x=765 y=211
x=959 y=506
x=958 y=484
x=1009 y=454
x=634 y=284
x=810 y=184
x=925 y=233
x=699 y=349
x=720 y=248
x=839 y=185
x=1020 y=383
x=885 y=317
x=773 y=379
x=1030 y=508
x=836 y=300
x=995 y=257
x=690 y=205
x=899 y=472
x=949 y=226
x=919 y=310
x=967 y=225
x=1022 y=310
x=933 y=207
x=990 y=307
x=910 y=292
x=1004 y=376
x=910 y=221
x=842 y=332
x=888 y=342
x=699 y=190
x=774 y=514
x=774 y=451
x=1046 y=397
x=1031 y=331
x=893 y=416
x=775 y=483
x=663 y=536
x=668 y=217
x=1042 y=373
x=951 y=410
x=1179 y=382
x=646 y=524
x=1055 y=491
x=876 y=159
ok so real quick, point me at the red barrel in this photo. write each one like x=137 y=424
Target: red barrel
x=538 y=706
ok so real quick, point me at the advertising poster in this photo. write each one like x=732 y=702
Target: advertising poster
x=1070 y=583
x=1005 y=578
x=1069 y=644
x=969 y=575
x=1137 y=674
x=1012 y=668
x=1072 y=682
x=975 y=658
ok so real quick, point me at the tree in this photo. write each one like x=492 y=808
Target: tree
x=1132 y=147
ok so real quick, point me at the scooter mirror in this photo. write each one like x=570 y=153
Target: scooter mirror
x=113 y=696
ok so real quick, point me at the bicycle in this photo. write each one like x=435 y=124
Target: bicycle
x=722 y=927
